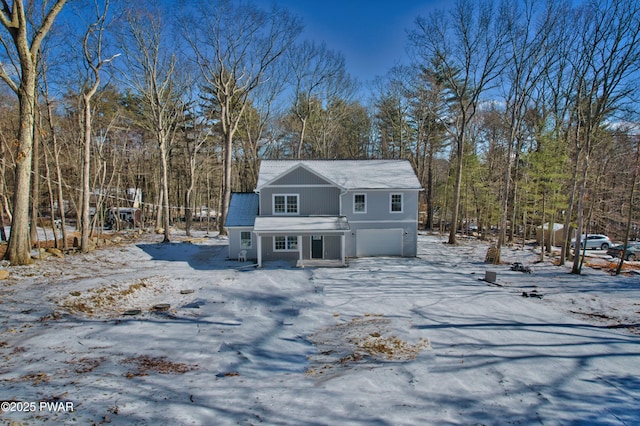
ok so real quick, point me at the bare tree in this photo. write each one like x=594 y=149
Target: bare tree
x=391 y=112
x=255 y=124
x=527 y=35
x=427 y=108
x=318 y=74
x=55 y=153
x=634 y=177
x=606 y=75
x=196 y=134
x=467 y=44
x=93 y=56
x=25 y=37
x=153 y=73
x=236 y=45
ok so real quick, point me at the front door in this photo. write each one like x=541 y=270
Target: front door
x=316 y=247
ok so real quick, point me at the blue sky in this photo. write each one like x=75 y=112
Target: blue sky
x=370 y=33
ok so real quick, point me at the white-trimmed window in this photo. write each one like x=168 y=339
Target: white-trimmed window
x=396 y=203
x=359 y=203
x=288 y=243
x=245 y=239
x=284 y=204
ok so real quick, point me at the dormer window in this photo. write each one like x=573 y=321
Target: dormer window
x=285 y=204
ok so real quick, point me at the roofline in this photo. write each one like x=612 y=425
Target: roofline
x=301 y=231
x=395 y=188
x=300 y=164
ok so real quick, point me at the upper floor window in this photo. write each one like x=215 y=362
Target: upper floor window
x=359 y=203
x=396 y=203
x=245 y=239
x=285 y=204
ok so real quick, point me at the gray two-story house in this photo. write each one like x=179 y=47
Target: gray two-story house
x=326 y=209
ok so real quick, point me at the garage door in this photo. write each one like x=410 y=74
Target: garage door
x=378 y=242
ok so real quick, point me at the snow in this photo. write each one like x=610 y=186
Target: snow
x=348 y=174
x=301 y=224
x=386 y=341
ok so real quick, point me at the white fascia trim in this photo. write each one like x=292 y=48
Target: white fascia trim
x=394 y=190
x=318 y=185
x=384 y=221
x=291 y=169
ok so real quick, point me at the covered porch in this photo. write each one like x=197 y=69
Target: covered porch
x=309 y=240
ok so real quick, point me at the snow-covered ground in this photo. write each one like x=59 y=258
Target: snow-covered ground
x=385 y=341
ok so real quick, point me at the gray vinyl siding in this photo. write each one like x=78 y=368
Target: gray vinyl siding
x=300 y=176
x=379 y=216
x=306 y=247
x=234 y=243
x=269 y=254
x=332 y=247
x=378 y=206
x=312 y=201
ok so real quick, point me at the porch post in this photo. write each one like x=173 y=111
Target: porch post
x=259 y=248
x=299 y=248
x=342 y=249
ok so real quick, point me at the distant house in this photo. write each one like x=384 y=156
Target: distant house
x=326 y=210
x=123 y=218
x=553 y=237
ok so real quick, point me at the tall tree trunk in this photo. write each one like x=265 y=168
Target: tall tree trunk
x=188 y=212
x=3 y=234
x=429 y=223
x=86 y=164
x=165 y=190
x=564 y=251
x=159 y=207
x=543 y=243
x=18 y=249
x=35 y=183
x=303 y=122
x=577 y=264
x=627 y=230
x=187 y=197
x=17 y=24
x=59 y=177
x=458 y=186
x=226 y=183
x=51 y=200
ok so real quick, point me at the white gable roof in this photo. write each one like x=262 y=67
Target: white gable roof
x=348 y=174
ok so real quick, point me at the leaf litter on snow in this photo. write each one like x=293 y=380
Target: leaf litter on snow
x=107 y=301
x=366 y=339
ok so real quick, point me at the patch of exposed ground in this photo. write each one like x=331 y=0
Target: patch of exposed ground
x=361 y=340
x=111 y=300
x=145 y=364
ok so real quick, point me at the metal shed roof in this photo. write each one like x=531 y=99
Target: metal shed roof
x=243 y=209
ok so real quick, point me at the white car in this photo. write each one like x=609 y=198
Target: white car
x=593 y=241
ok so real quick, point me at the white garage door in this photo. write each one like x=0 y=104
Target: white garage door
x=378 y=242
